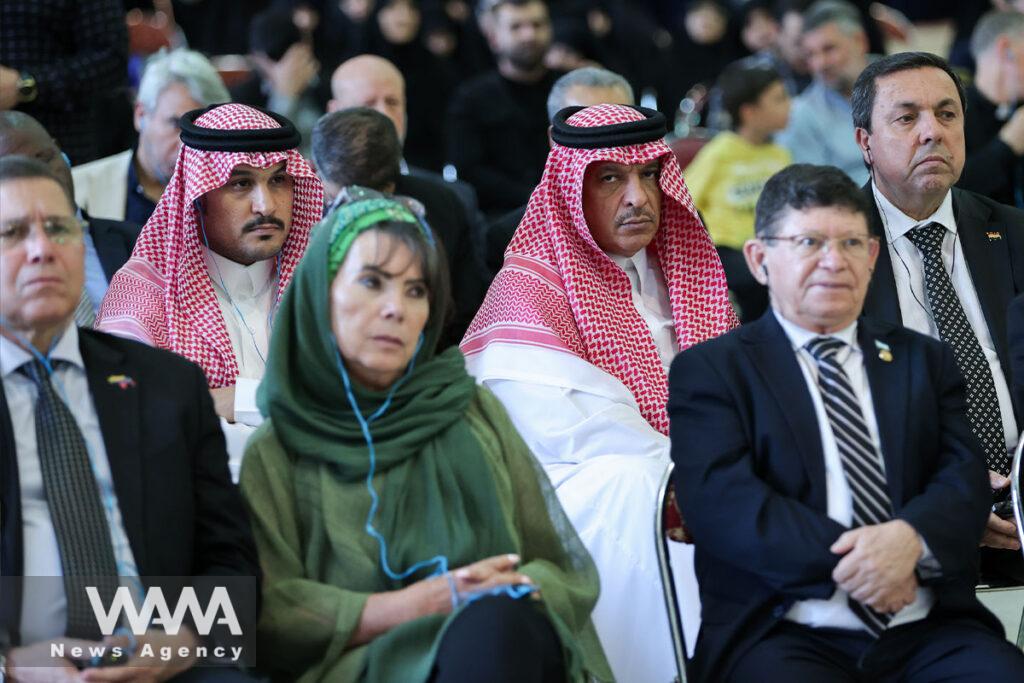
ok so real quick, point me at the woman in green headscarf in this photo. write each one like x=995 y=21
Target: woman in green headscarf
x=405 y=531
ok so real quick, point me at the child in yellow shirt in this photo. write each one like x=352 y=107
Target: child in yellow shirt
x=726 y=176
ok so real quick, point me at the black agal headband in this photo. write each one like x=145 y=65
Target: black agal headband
x=651 y=128
x=259 y=140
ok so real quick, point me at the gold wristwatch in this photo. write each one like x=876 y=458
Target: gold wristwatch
x=27 y=89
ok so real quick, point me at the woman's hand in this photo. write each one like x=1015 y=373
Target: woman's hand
x=384 y=611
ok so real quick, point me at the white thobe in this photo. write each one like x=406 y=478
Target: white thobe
x=605 y=461
x=246 y=298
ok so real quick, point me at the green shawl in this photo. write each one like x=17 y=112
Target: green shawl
x=447 y=484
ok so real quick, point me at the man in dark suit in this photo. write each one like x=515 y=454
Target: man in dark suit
x=102 y=441
x=825 y=468
x=360 y=146
x=951 y=260
x=108 y=243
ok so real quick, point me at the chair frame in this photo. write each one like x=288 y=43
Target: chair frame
x=668 y=582
x=1018 y=513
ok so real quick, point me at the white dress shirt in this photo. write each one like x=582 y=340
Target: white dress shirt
x=835 y=612
x=246 y=298
x=908 y=272
x=44 y=604
x=650 y=297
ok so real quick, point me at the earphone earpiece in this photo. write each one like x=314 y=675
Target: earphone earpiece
x=764 y=269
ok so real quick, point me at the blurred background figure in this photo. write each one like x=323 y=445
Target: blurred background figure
x=994 y=120
x=726 y=176
x=127 y=185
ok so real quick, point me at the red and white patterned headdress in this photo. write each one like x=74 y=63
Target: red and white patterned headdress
x=163 y=295
x=558 y=290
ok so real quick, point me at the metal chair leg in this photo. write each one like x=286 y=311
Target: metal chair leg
x=668 y=583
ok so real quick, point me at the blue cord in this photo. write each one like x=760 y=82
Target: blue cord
x=440 y=561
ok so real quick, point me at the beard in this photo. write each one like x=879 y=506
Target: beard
x=526 y=57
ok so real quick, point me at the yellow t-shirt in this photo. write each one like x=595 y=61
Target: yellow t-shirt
x=725 y=180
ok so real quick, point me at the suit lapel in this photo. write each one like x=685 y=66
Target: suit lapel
x=116 y=398
x=988 y=261
x=773 y=357
x=889 y=382
x=882 y=302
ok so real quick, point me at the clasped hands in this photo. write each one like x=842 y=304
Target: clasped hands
x=878 y=565
x=1000 y=533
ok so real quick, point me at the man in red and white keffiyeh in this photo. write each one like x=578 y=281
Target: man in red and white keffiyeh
x=609 y=275
x=211 y=263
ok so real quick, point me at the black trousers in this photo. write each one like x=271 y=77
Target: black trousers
x=497 y=639
x=750 y=295
x=927 y=651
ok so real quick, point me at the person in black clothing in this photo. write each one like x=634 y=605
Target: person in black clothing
x=496 y=123
x=994 y=132
x=58 y=60
x=360 y=146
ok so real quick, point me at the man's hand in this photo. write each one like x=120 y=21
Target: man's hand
x=289 y=76
x=35 y=664
x=878 y=567
x=8 y=88
x=224 y=402
x=1012 y=132
x=150 y=669
x=1000 y=533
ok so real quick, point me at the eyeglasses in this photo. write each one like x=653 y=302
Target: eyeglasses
x=812 y=246
x=59 y=230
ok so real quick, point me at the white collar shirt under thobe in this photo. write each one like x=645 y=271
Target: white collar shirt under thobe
x=246 y=298
x=908 y=273
x=835 y=612
x=650 y=297
x=44 y=605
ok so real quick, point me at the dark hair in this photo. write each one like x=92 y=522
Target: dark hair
x=784 y=7
x=272 y=32
x=805 y=186
x=20 y=167
x=432 y=259
x=742 y=84
x=863 y=99
x=357 y=146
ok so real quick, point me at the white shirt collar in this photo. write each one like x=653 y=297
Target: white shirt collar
x=240 y=281
x=898 y=224
x=638 y=261
x=799 y=336
x=13 y=356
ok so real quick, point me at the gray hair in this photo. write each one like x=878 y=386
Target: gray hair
x=586 y=77
x=187 y=67
x=843 y=14
x=992 y=26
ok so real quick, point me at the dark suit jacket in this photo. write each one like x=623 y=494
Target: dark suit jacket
x=114 y=241
x=1015 y=340
x=182 y=515
x=447 y=216
x=750 y=477
x=992 y=236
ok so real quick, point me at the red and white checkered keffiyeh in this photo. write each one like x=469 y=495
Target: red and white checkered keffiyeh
x=163 y=295
x=558 y=290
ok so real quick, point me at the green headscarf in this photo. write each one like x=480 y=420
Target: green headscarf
x=430 y=472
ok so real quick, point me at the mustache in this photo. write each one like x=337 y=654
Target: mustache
x=260 y=221
x=633 y=214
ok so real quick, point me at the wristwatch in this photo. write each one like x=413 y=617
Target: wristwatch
x=27 y=92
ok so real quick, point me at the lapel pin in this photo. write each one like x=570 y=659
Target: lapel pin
x=122 y=381
x=884 y=352
x=993 y=236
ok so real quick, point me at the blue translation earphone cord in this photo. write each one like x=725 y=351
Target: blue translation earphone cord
x=440 y=561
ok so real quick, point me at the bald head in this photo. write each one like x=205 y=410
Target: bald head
x=370 y=81
x=22 y=134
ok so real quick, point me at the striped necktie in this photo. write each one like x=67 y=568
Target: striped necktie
x=76 y=509
x=954 y=329
x=862 y=463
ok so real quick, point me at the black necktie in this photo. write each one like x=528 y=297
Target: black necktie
x=954 y=329
x=862 y=463
x=76 y=509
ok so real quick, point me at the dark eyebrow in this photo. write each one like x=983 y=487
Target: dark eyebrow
x=914 y=105
x=386 y=275
x=246 y=173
